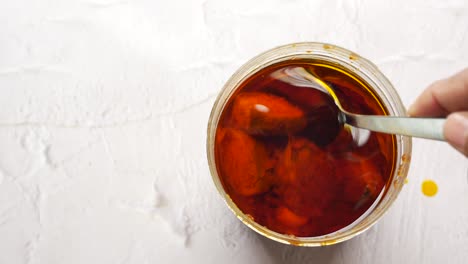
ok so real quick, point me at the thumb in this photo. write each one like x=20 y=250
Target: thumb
x=456 y=131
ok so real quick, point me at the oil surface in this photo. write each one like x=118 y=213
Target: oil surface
x=283 y=159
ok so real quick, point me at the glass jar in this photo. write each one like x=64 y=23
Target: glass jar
x=353 y=64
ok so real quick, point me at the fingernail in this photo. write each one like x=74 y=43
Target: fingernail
x=457 y=132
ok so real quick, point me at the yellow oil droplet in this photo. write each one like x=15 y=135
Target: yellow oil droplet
x=406 y=180
x=429 y=188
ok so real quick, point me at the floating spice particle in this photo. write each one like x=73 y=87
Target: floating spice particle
x=429 y=188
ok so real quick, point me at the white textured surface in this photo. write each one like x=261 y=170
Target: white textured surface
x=104 y=111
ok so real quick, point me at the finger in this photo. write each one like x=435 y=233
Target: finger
x=443 y=97
x=456 y=131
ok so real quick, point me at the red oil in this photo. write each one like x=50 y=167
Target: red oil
x=285 y=161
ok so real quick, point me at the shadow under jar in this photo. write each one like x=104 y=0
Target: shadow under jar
x=283 y=165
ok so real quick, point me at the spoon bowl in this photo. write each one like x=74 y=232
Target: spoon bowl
x=428 y=128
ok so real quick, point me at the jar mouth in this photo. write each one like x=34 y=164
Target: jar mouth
x=353 y=63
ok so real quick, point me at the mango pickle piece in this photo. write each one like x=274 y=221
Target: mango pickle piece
x=244 y=163
x=306 y=178
x=362 y=180
x=265 y=114
x=289 y=218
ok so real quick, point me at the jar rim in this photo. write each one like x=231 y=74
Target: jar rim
x=353 y=63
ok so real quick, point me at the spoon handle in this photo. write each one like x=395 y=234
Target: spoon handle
x=430 y=128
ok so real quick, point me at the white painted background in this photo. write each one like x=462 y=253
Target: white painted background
x=104 y=108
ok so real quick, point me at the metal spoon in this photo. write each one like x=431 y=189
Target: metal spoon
x=429 y=128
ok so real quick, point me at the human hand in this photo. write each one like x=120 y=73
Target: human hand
x=447 y=98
